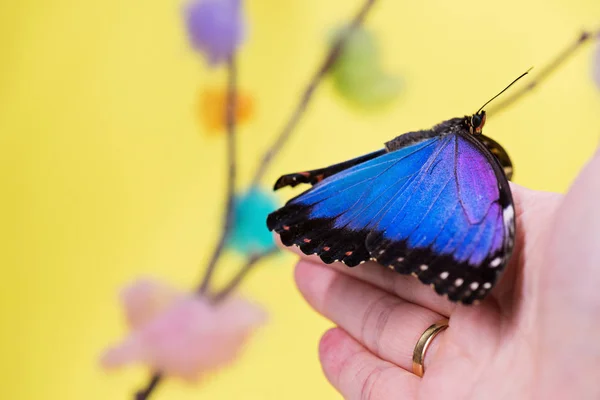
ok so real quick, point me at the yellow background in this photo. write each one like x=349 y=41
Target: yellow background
x=105 y=173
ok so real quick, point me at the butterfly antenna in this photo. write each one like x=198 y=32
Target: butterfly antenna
x=504 y=90
x=559 y=60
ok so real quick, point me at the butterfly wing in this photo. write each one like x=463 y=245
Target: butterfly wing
x=454 y=227
x=498 y=151
x=334 y=217
x=317 y=175
x=440 y=208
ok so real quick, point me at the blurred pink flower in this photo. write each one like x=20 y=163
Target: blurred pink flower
x=181 y=335
x=216 y=28
x=145 y=299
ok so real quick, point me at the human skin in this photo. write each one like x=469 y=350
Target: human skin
x=534 y=337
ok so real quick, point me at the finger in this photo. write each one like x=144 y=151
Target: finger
x=406 y=287
x=358 y=374
x=532 y=201
x=386 y=325
x=534 y=211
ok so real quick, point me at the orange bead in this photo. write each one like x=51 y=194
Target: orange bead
x=212 y=108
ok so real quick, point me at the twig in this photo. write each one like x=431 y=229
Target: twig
x=239 y=277
x=231 y=159
x=145 y=393
x=329 y=60
x=229 y=212
x=586 y=36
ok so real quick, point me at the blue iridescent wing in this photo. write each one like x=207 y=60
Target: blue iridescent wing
x=326 y=219
x=454 y=227
x=439 y=208
x=499 y=153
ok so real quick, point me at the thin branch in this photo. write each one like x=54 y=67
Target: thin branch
x=229 y=212
x=147 y=391
x=231 y=159
x=328 y=62
x=330 y=59
x=239 y=277
x=547 y=70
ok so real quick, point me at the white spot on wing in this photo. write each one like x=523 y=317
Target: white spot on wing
x=459 y=282
x=474 y=285
x=423 y=267
x=495 y=262
x=487 y=285
x=444 y=274
x=508 y=214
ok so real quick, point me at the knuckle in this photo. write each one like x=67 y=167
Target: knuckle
x=375 y=320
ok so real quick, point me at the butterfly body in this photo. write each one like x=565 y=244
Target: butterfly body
x=434 y=203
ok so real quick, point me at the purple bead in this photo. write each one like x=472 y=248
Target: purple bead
x=216 y=28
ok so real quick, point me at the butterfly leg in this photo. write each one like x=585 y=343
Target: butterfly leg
x=585 y=37
x=315 y=176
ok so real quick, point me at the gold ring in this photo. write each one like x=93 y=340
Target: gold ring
x=423 y=343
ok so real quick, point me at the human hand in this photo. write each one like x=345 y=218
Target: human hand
x=534 y=336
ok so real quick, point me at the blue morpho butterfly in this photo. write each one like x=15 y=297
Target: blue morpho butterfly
x=435 y=203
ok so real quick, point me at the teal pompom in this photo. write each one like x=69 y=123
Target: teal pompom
x=250 y=234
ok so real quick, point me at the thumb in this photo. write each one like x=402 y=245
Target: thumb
x=569 y=303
